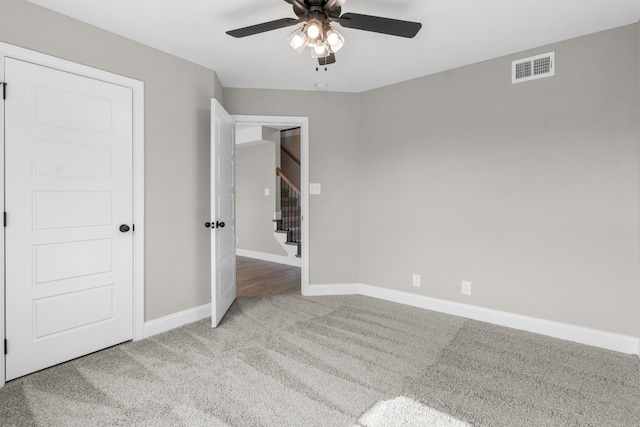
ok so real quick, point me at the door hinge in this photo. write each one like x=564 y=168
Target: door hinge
x=4 y=90
x=4 y=219
x=6 y=351
x=133 y=227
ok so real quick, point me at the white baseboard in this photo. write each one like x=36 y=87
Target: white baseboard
x=594 y=337
x=280 y=259
x=175 y=320
x=336 y=289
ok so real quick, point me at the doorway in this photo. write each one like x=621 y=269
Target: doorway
x=269 y=269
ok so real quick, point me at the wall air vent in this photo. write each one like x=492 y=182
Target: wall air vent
x=534 y=67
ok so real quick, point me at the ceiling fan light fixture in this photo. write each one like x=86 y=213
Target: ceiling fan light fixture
x=298 y=40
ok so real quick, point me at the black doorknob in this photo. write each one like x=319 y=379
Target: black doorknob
x=207 y=224
x=124 y=228
x=219 y=224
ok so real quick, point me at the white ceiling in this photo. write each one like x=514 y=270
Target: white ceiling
x=454 y=33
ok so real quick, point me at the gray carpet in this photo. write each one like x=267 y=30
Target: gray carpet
x=333 y=361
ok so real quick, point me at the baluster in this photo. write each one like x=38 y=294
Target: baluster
x=290 y=211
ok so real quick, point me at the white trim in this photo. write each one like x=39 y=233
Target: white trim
x=333 y=289
x=138 y=212
x=137 y=87
x=303 y=122
x=594 y=337
x=175 y=320
x=2 y=243
x=280 y=259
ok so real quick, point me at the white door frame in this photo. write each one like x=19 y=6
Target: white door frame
x=137 y=87
x=303 y=123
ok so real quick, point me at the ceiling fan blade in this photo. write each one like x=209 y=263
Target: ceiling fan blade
x=335 y=3
x=333 y=8
x=381 y=25
x=299 y=7
x=261 y=28
x=327 y=59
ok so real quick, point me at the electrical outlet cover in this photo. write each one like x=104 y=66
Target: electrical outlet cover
x=465 y=288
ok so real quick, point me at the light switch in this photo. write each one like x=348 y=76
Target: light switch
x=267 y=191
x=314 y=188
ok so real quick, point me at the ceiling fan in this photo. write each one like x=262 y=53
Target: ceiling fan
x=317 y=32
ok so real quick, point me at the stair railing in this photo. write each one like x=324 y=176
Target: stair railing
x=290 y=219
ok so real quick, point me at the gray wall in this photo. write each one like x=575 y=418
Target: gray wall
x=177 y=123
x=290 y=165
x=529 y=191
x=255 y=171
x=333 y=133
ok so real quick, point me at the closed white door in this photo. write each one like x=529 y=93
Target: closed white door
x=69 y=263
x=223 y=221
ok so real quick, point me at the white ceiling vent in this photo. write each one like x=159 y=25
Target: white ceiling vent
x=534 y=67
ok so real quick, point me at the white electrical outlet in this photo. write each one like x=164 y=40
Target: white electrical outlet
x=416 y=280
x=466 y=288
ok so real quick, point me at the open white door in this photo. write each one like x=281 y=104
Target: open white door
x=223 y=221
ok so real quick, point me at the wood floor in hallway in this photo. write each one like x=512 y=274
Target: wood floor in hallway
x=259 y=278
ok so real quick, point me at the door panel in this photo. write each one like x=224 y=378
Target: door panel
x=69 y=270
x=223 y=241
x=63 y=159
x=82 y=112
x=59 y=209
x=62 y=261
x=93 y=305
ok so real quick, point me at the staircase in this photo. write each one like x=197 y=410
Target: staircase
x=289 y=224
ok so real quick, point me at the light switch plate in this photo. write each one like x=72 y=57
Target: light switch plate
x=267 y=191
x=314 y=188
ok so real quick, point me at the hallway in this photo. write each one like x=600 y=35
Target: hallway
x=255 y=277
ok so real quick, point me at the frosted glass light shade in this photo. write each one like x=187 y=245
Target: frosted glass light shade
x=320 y=50
x=298 y=40
x=313 y=29
x=334 y=39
